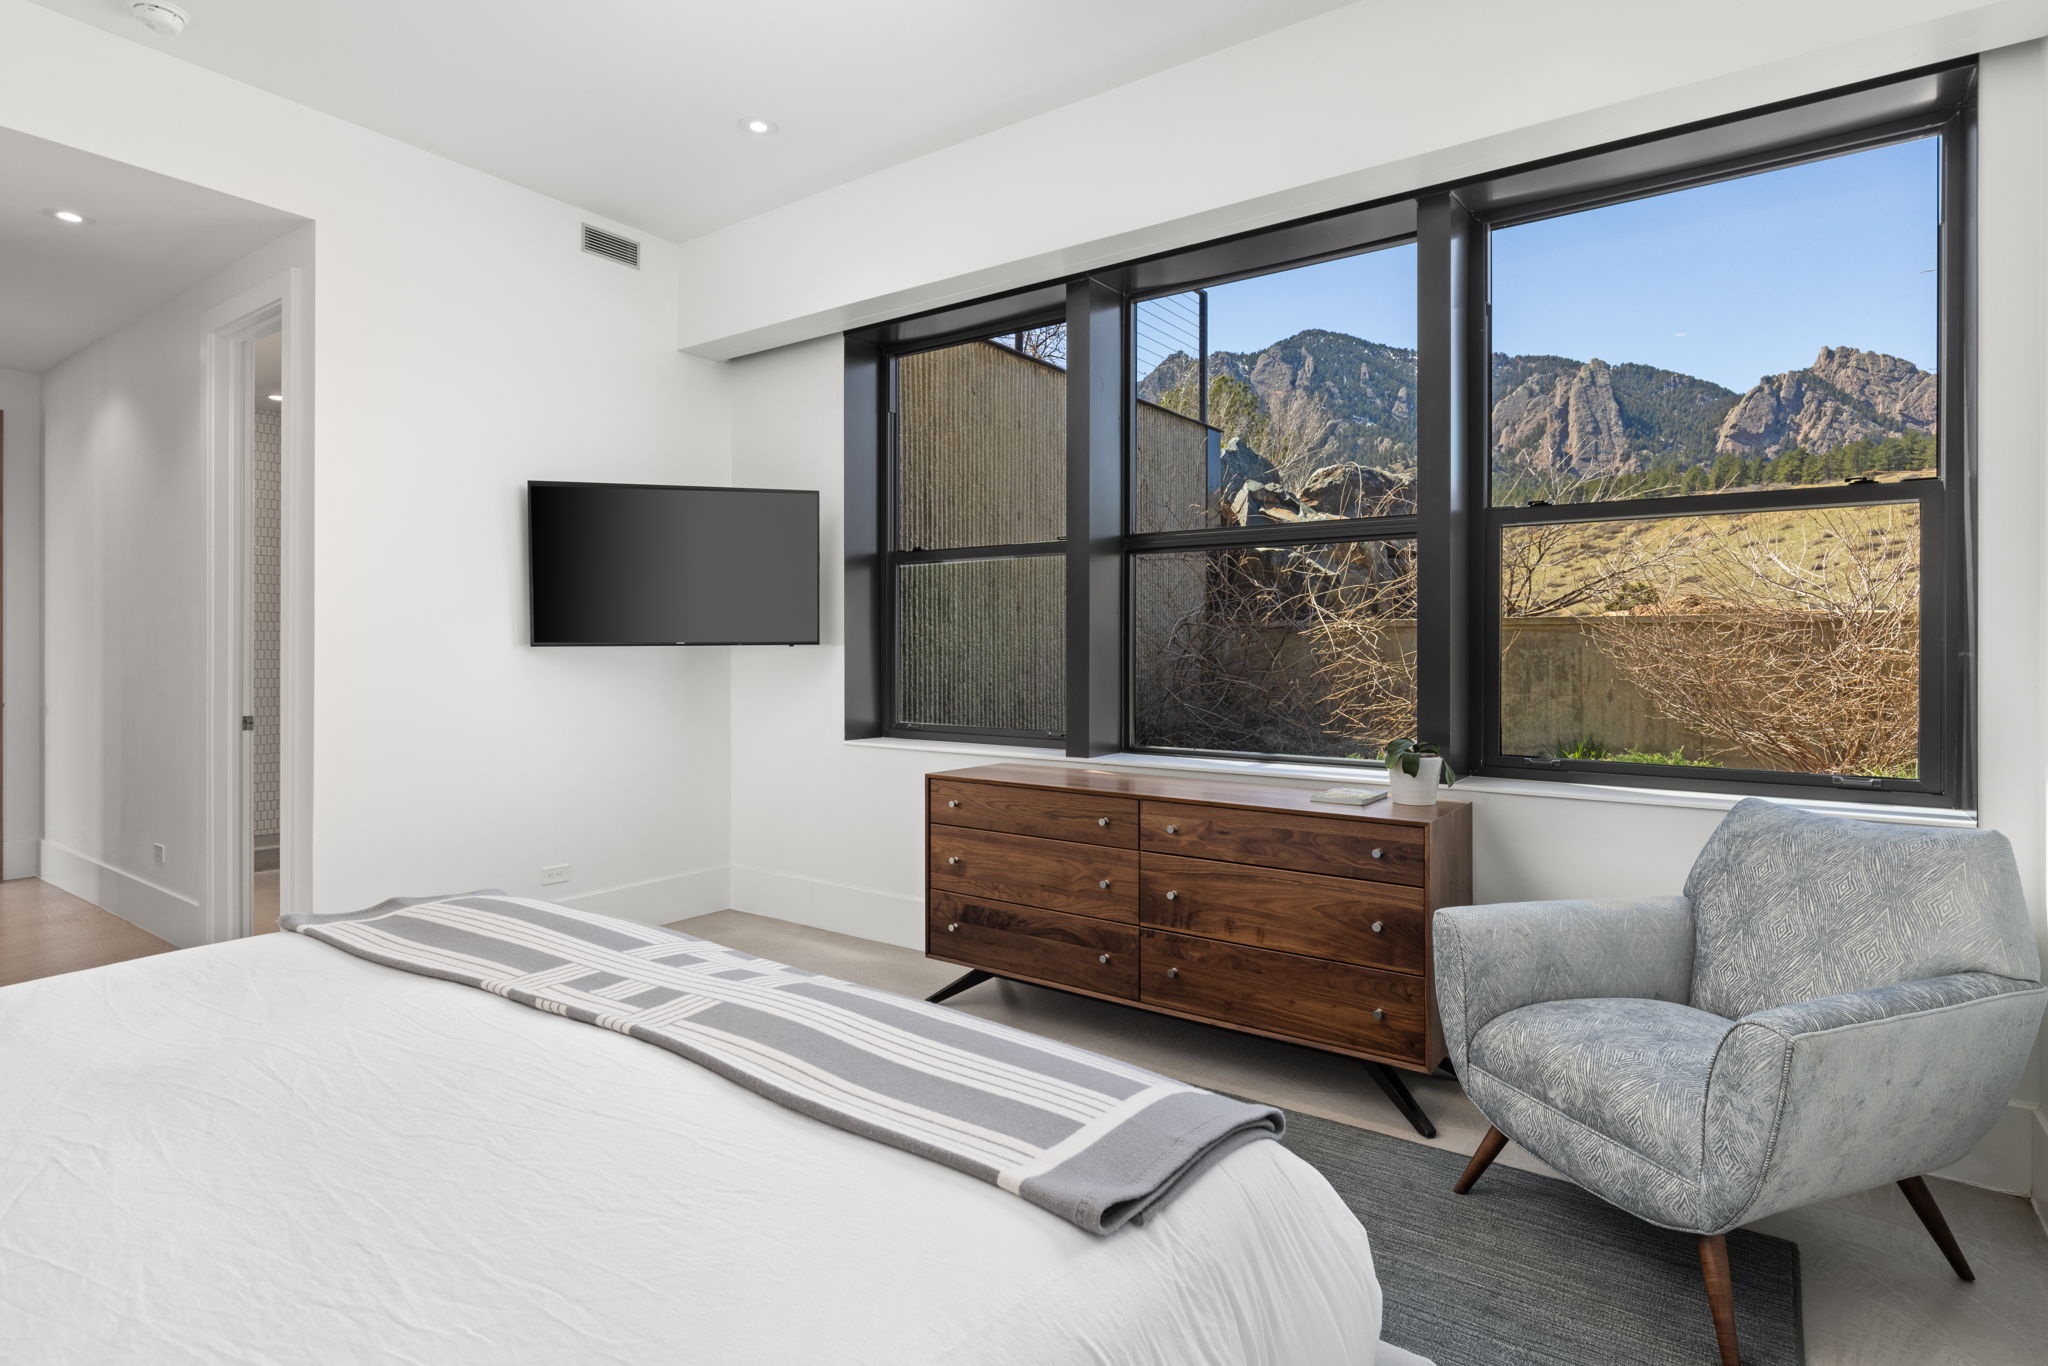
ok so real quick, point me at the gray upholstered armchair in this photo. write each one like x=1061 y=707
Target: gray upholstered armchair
x=1833 y=1004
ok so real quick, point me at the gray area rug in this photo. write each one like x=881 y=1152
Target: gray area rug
x=1531 y=1271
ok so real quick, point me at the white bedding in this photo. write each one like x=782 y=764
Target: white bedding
x=272 y=1152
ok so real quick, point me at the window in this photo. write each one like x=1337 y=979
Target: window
x=1644 y=467
x=1761 y=350
x=1283 y=403
x=980 y=514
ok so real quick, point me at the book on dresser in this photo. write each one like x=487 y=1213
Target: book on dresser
x=1237 y=904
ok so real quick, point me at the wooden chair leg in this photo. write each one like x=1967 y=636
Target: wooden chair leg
x=1922 y=1201
x=1489 y=1149
x=1720 y=1295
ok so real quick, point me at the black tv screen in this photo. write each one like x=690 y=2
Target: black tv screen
x=660 y=564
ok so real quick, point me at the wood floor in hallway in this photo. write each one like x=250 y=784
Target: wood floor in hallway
x=45 y=930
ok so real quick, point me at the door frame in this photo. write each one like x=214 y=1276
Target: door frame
x=278 y=304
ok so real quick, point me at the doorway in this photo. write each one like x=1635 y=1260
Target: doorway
x=265 y=627
x=260 y=377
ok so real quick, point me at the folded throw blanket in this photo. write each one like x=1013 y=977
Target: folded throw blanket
x=1095 y=1141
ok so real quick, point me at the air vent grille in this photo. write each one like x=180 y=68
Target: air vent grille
x=610 y=245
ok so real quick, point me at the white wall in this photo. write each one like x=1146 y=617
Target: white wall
x=2012 y=644
x=855 y=866
x=463 y=344
x=21 y=624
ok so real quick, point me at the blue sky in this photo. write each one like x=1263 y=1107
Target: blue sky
x=1729 y=282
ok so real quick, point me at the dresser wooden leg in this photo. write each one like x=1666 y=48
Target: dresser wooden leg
x=1720 y=1295
x=1489 y=1149
x=1922 y=1201
x=1404 y=1100
x=959 y=984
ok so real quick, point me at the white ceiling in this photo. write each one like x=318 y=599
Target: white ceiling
x=630 y=108
x=148 y=238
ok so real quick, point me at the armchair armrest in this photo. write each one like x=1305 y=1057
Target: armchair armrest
x=1809 y=1101
x=1494 y=959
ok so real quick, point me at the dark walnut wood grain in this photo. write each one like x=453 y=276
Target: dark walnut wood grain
x=1077 y=816
x=1379 y=924
x=1021 y=941
x=1310 y=999
x=1229 y=792
x=1237 y=903
x=1027 y=871
x=1309 y=844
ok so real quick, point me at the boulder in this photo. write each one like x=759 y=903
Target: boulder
x=1356 y=491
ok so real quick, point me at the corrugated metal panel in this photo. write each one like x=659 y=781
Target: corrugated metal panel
x=983 y=643
x=981 y=448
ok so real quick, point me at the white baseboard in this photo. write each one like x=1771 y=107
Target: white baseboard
x=657 y=901
x=21 y=858
x=168 y=915
x=862 y=912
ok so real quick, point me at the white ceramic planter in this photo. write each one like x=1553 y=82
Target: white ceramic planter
x=1419 y=790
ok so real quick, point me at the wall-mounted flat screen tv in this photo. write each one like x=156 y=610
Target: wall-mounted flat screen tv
x=662 y=564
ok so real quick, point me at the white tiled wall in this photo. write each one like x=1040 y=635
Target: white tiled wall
x=265 y=506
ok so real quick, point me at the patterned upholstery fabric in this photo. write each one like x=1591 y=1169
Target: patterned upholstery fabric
x=1634 y=1070
x=1832 y=1006
x=1791 y=906
x=1815 y=1100
x=1494 y=959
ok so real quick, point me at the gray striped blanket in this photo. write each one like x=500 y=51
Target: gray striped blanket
x=1095 y=1141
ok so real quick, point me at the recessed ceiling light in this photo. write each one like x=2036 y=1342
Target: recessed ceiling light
x=160 y=16
x=277 y=398
x=66 y=215
x=757 y=125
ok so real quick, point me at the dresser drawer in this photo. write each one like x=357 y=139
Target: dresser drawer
x=1379 y=924
x=1035 y=872
x=1070 y=950
x=1305 y=844
x=1310 y=999
x=1077 y=816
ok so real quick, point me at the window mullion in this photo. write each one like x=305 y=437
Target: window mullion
x=1097 y=395
x=1447 y=241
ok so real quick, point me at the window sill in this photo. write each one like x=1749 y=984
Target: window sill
x=1328 y=775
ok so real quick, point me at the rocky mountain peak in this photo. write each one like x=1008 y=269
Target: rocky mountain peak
x=1845 y=395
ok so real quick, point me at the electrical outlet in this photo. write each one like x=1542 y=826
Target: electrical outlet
x=554 y=874
x=160 y=857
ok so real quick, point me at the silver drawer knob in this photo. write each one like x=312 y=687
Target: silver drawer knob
x=953 y=928
x=1173 y=972
x=954 y=859
x=1379 y=1014
x=952 y=803
x=1173 y=830
x=1173 y=896
x=1379 y=926
x=1103 y=958
x=1104 y=884
x=1104 y=820
x=1379 y=853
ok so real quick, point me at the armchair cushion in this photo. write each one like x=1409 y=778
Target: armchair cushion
x=1494 y=959
x=1790 y=906
x=1634 y=1070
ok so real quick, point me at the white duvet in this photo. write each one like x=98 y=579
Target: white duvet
x=272 y=1152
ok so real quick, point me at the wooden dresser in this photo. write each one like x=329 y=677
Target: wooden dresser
x=1236 y=904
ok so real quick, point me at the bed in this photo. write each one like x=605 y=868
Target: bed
x=269 y=1151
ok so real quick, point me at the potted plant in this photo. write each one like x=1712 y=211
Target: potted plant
x=1414 y=767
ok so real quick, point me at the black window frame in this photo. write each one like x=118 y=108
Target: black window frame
x=1455 y=527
